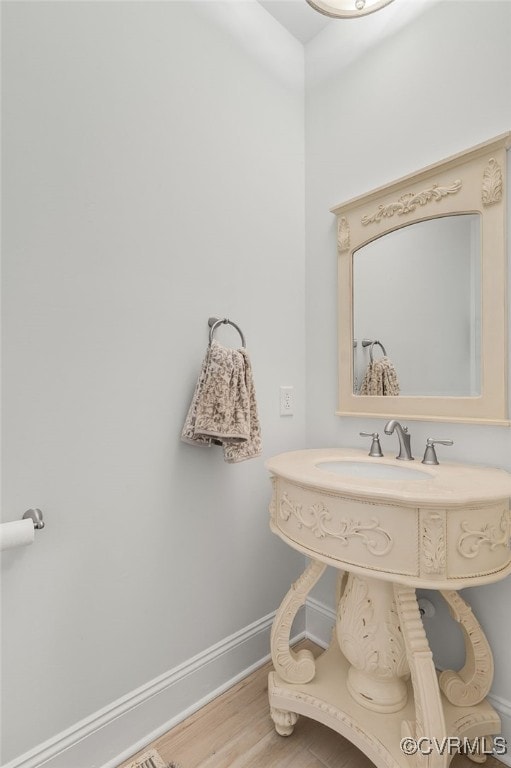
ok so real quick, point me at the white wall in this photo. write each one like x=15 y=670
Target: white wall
x=153 y=176
x=433 y=88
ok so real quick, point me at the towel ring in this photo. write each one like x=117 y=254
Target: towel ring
x=371 y=343
x=214 y=322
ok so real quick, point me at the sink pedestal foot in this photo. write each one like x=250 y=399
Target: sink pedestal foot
x=284 y=721
x=371 y=639
x=480 y=749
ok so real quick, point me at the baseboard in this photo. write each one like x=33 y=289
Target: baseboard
x=111 y=735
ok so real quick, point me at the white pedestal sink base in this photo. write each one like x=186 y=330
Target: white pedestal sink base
x=327 y=700
x=374 y=707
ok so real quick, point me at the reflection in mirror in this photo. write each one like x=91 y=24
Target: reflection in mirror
x=417 y=290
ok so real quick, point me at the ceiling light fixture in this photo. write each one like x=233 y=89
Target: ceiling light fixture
x=347 y=9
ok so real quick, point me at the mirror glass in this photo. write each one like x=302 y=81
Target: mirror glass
x=417 y=290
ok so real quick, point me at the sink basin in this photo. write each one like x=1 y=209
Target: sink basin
x=369 y=470
x=351 y=472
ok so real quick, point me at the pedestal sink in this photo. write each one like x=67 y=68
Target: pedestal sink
x=388 y=527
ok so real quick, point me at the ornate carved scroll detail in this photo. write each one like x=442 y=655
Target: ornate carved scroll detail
x=433 y=551
x=343 y=234
x=356 y=628
x=492 y=183
x=408 y=203
x=394 y=658
x=470 y=541
x=471 y=684
x=284 y=721
x=377 y=540
x=429 y=716
x=370 y=643
x=290 y=666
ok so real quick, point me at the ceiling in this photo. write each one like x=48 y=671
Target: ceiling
x=298 y=17
x=304 y=23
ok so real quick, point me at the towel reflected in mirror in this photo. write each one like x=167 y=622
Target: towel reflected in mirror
x=380 y=378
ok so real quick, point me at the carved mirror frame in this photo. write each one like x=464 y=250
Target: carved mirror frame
x=470 y=182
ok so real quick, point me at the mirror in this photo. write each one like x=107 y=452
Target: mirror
x=429 y=273
x=422 y=293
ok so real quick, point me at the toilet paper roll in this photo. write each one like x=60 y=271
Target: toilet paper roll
x=16 y=534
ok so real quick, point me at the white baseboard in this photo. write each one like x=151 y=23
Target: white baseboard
x=114 y=733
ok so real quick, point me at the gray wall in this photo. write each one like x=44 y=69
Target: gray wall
x=153 y=176
x=432 y=89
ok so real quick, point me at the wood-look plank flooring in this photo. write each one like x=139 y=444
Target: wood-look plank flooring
x=235 y=730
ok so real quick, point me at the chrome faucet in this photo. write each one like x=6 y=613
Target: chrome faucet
x=405 y=452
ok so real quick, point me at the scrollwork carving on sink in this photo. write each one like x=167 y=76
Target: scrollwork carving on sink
x=360 y=635
x=375 y=538
x=357 y=629
x=295 y=667
x=471 y=684
x=396 y=659
x=433 y=543
x=369 y=635
x=471 y=541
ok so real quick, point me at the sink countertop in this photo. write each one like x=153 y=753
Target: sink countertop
x=448 y=483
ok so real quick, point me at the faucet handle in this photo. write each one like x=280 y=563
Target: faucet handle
x=375 y=450
x=430 y=456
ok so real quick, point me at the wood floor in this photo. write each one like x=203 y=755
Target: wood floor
x=236 y=731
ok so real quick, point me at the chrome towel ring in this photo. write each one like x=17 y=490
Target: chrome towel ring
x=371 y=343
x=214 y=322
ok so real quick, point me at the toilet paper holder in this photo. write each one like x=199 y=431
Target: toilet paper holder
x=36 y=516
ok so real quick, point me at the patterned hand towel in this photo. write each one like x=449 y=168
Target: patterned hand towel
x=380 y=378
x=223 y=410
